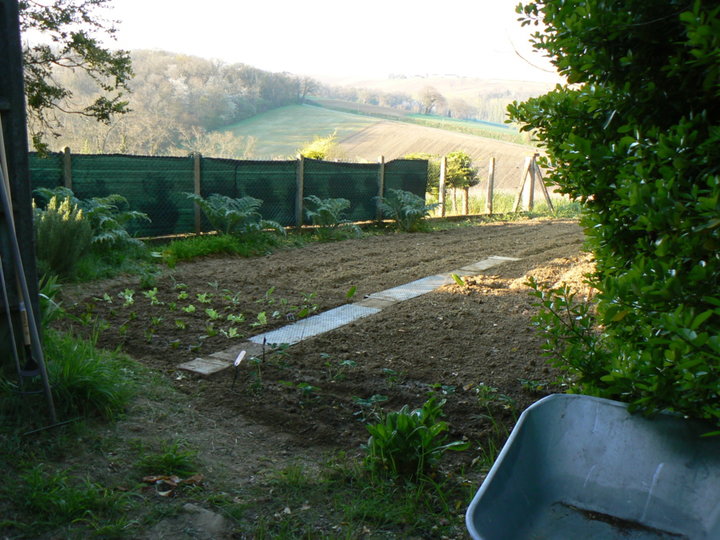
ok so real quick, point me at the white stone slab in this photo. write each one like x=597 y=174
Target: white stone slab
x=413 y=289
x=317 y=324
x=205 y=366
x=485 y=264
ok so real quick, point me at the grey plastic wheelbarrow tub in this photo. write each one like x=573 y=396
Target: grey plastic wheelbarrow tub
x=579 y=467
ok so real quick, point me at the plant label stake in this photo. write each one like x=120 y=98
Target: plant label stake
x=239 y=359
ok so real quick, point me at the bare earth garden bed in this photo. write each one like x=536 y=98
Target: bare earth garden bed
x=473 y=344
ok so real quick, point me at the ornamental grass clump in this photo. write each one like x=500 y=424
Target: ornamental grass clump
x=63 y=235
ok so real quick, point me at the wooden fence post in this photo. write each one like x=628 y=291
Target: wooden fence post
x=523 y=181
x=543 y=187
x=490 y=188
x=441 y=185
x=299 y=190
x=197 y=189
x=530 y=197
x=67 y=168
x=381 y=187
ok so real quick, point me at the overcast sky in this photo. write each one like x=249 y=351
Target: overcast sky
x=338 y=37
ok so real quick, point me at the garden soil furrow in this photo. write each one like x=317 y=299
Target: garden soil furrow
x=474 y=344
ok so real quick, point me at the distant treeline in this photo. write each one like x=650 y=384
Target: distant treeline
x=177 y=102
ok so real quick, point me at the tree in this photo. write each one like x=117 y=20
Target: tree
x=70 y=27
x=461 y=174
x=634 y=136
x=430 y=99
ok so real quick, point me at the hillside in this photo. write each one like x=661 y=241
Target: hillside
x=281 y=132
x=397 y=139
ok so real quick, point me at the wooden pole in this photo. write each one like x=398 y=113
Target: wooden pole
x=543 y=187
x=299 y=190
x=197 y=188
x=466 y=201
x=441 y=185
x=67 y=168
x=530 y=199
x=523 y=180
x=490 y=188
x=381 y=187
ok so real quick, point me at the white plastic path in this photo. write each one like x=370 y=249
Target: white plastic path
x=334 y=318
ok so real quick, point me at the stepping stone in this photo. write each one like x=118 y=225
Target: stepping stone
x=317 y=324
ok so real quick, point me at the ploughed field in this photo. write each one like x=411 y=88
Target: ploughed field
x=472 y=343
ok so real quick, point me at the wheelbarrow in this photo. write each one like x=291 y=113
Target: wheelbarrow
x=581 y=467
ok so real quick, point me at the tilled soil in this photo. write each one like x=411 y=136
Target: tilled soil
x=474 y=343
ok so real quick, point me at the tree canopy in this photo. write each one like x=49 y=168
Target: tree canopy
x=634 y=136
x=71 y=31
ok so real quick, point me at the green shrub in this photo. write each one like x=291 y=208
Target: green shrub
x=327 y=215
x=408 y=443
x=634 y=137
x=109 y=218
x=237 y=217
x=63 y=235
x=406 y=209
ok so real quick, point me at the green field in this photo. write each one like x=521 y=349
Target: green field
x=279 y=133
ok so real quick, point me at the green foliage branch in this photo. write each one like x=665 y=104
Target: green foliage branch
x=72 y=34
x=634 y=136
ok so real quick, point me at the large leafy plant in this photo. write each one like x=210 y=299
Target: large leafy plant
x=328 y=216
x=408 y=443
x=109 y=217
x=406 y=209
x=635 y=137
x=237 y=217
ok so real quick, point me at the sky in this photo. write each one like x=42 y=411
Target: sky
x=341 y=38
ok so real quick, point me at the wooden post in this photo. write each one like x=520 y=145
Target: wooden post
x=543 y=187
x=466 y=201
x=381 y=187
x=299 y=190
x=523 y=180
x=197 y=189
x=67 y=168
x=490 y=188
x=441 y=185
x=530 y=197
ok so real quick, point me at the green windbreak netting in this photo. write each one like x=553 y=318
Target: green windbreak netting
x=356 y=182
x=273 y=182
x=47 y=171
x=408 y=175
x=157 y=186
